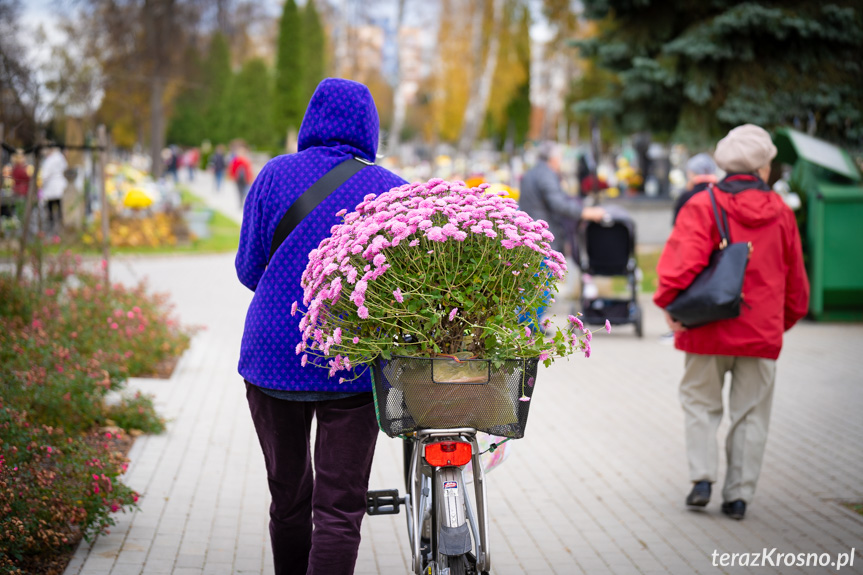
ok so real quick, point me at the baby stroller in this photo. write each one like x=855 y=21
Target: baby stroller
x=607 y=248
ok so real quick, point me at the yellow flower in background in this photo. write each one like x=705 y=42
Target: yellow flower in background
x=137 y=199
x=508 y=191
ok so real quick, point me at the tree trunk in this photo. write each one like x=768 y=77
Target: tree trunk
x=399 y=104
x=481 y=86
x=28 y=213
x=157 y=132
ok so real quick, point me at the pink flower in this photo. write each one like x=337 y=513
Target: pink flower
x=130 y=314
x=436 y=234
x=453 y=313
x=586 y=350
x=304 y=360
x=524 y=398
x=607 y=326
x=363 y=312
x=337 y=336
x=414 y=243
x=530 y=381
x=114 y=326
x=341 y=212
x=526 y=331
x=356 y=340
x=379 y=260
x=576 y=321
x=294 y=308
x=587 y=335
x=543 y=356
x=398 y=295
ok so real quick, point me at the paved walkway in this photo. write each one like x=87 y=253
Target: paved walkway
x=596 y=486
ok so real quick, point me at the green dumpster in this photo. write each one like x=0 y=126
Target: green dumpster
x=831 y=187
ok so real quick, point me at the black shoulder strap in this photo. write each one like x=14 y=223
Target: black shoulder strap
x=310 y=199
x=724 y=231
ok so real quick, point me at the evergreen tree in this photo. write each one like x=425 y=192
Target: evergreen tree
x=692 y=70
x=249 y=100
x=216 y=78
x=289 y=81
x=186 y=125
x=314 y=51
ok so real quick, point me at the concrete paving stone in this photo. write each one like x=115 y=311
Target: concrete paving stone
x=159 y=564
x=135 y=557
x=127 y=569
x=218 y=569
x=187 y=571
x=190 y=560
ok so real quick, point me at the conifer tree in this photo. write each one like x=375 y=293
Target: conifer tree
x=249 y=101
x=216 y=78
x=692 y=70
x=314 y=51
x=186 y=126
x=288 y=104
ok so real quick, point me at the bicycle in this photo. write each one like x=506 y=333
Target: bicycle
x=439 y=418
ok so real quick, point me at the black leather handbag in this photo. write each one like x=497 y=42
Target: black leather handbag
x=717 y=292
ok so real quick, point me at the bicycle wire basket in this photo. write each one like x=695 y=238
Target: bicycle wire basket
x=414 y=393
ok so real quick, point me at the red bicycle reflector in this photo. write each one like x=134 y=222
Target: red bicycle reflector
x=448 y=453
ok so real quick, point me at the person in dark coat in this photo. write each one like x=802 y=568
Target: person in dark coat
x=776 y=296
x=543 y=199
x=315 y=516
x=700 y=174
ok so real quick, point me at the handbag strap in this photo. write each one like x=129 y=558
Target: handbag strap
x=312 y=197
x=724 y=231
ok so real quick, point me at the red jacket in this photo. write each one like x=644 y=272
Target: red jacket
x=240 y=162
x=775 y=289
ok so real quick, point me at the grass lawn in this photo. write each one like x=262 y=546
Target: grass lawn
x=647 y=263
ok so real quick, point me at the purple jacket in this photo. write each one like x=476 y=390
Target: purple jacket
x=341 y=121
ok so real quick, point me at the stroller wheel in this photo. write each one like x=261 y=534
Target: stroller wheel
x=639 y=329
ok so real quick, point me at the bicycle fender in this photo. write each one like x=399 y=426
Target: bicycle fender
x=455 y=540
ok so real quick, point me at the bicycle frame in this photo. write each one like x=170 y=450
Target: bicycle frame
x=427 y=486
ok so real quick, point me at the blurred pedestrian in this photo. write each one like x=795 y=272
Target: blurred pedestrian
x=542 y=197
x=588 y=182
x=240 y=171
x=20 y=174
x=171 y=155
x=776 y=293
x=700 y=174
x=218 y=163
x=191 y=158
x=53 y=185
x=315 y=515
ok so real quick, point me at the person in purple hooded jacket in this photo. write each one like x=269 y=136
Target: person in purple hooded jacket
x=341 y=121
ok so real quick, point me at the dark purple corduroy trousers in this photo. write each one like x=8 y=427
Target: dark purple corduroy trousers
x=334 y=498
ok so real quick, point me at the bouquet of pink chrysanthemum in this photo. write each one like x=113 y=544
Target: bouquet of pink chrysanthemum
x=429 y=269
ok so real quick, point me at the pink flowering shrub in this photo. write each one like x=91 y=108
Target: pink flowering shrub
x=432 y=268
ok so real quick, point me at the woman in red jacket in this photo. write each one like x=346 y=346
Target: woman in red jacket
x=240 y=170
x=776 y=295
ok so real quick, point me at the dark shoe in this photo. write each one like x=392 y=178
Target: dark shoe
x=700 y=494
x=735 y=509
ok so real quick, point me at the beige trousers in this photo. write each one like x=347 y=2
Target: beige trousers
x=750 y=399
